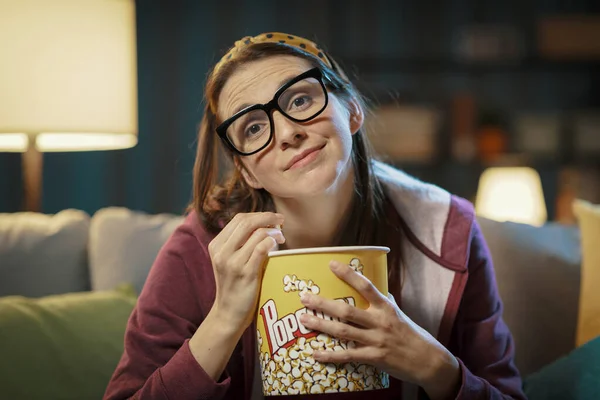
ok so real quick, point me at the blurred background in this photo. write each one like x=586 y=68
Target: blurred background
x=455 y=88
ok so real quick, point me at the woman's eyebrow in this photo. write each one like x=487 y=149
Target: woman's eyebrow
x=281 y=83
x=240 y=108
x=286 y=80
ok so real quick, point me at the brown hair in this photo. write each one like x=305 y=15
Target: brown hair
x=220 y=192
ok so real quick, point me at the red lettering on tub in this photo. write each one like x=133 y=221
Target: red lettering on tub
x=284 y=331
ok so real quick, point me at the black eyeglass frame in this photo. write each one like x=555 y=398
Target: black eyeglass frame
x=272 y=105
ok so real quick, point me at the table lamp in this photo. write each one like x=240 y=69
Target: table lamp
x=68 y=80
x=511 y=194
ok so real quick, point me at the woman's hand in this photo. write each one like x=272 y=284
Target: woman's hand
x=385 y=337
x=238 y=254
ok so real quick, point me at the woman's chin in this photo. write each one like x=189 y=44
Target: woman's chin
x=313 y=183
x=322 y=178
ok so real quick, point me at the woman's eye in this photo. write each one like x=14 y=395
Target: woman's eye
x=253 y=130
x=300 y=102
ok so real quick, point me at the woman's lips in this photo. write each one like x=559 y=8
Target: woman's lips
x=307 y=158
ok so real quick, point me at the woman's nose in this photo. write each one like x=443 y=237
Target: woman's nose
x=287 y=132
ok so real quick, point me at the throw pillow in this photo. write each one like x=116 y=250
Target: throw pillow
x=63 y=346
x=124 y=244
x=588 y=216
x=574 y=377
x=43 y=254
x=537 y=273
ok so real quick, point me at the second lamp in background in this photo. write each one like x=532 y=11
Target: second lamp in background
x=511 y=194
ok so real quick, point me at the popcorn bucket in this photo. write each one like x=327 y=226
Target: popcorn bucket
x=285 y=346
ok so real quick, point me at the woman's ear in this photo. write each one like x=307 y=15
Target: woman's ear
x=246 y=175
x=357 y=115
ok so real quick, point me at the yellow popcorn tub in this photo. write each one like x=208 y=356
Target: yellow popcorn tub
x=285 y=346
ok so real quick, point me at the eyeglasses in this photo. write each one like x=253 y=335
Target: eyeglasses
x=300 y=100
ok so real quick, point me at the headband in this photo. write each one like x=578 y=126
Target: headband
x=298 y=42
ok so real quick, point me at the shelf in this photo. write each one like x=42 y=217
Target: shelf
x=386 y=65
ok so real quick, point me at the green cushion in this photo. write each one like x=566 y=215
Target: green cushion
x=576 y=376
x=63 y=346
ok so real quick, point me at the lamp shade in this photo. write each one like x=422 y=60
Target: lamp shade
x=511 y=194
x=68 y=76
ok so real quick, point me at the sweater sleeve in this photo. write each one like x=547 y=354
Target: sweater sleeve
x=157 y=362
x=480 y=339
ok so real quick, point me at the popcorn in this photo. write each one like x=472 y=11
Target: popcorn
x=293 y=284
x=284 y=374
x=356 y=265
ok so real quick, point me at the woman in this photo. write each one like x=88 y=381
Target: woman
x=302 y=176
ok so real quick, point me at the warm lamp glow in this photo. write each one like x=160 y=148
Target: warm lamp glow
x=13 y=142
x=511 y=194
x=68 y=76
x=84 y=141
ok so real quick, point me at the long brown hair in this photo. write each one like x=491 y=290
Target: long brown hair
x=220 y=192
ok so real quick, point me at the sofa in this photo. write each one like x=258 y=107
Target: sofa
x=69 y=281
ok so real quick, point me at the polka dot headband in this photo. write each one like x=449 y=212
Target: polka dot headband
x=275 y=37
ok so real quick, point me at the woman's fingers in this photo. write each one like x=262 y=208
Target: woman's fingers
x=244 y=254
x=237 y=254
x=335 y=329
x=260 y=251
x=235 y=234
x=245 y=225
x=338 y=309
x=359 y=282
x=365 y=355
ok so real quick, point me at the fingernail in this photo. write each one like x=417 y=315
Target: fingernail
x=305 y=318
x=303 y=297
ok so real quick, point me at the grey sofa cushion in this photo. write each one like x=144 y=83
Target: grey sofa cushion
x=43 y=254
x=123 y=245
x=538 y=276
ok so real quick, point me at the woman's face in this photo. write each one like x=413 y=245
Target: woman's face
x=327 y=138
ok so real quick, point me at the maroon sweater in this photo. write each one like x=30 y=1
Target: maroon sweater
x=180 y=291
